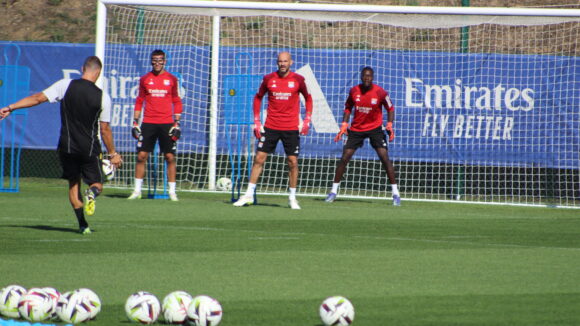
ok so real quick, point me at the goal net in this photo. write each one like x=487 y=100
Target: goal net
x=487 y=106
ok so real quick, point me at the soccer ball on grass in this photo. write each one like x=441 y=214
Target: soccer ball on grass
x=336 y=310
x=175 y=306
x=204 y=311
x=36 y=305
x=9 y=297
x=142 y=307
x=71 y=309
x=224 y=184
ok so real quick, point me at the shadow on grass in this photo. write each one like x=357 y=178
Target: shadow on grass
x=44 y=228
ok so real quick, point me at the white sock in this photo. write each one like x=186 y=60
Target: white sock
x=251 y=189
x=335 y=188
x=292 y=193
x=171 y=187
x=395 y=189
x=138 y=184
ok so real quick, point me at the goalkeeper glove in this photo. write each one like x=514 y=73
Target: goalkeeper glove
x=343 y=131
x=136 y=131
x=258 y=129
x=390 y=131
x=175 y=131
x=305 y=125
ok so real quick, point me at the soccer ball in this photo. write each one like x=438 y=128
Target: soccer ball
x=91 y=300
x=54 y=296
x=204 y=311
x=336 y=310
x=9 y=297
x=175 y=307
x=142 y=307
x=36 y=305
x=224 y=184
x=71 y=309
x=108 y=169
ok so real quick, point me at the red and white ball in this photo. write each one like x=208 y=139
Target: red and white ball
x=174 y=307
x=36 y=305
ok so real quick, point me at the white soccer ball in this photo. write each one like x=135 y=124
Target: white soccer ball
x=175 y=306
x=336 y=310
x=54 y=296
x=224 y=184
x=35 y=305
x=72 y=309
x=91 y=300
x=142 y=307
x=108 y=169
x=204 y=311
x=9 y=297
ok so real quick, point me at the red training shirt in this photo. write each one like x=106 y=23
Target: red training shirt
x=283 y=100
x=368 y=113
x=161 y=98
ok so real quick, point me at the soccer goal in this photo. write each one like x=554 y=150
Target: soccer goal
x=487 y=99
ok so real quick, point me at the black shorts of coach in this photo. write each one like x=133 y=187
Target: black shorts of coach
x=151 y=133
x=290 y=139
x=75 y=166
x=376 y=136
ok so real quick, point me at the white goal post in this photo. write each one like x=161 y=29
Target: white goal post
x=487 y=100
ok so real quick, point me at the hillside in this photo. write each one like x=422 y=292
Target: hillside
x=73 y=21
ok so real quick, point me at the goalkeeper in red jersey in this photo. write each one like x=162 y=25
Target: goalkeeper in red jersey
x=158 y=90
x=367 y=99
x=282 y=124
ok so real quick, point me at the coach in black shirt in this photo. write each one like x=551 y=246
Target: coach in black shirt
x=83 y=109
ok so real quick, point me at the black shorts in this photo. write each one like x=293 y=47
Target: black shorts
x=290 y=139
x=150 y=133
x=376 y=136
x=75 y=166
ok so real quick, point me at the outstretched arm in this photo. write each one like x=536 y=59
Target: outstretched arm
x=26 y=102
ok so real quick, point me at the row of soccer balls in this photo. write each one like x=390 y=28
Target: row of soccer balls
x=179 y=307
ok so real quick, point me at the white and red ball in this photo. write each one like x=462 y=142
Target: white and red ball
x=142 y=307
x=71 y=308
x=91 y=300
x=204 y=311
x=174 y=307
x=54 y=296
x=36 y=305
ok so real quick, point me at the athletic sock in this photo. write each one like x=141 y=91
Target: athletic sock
x=395 y=189
x=138 y=184
x=96 y=191
x=335 y=188
x=171 y=186
x=81 y=218
x=292 y=193
x=251 y=189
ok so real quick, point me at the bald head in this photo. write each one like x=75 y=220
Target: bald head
x=284 y=63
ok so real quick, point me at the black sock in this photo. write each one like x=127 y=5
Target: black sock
x=96 y=191
x=81 y=218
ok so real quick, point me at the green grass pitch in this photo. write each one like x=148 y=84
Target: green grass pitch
x=418 y=264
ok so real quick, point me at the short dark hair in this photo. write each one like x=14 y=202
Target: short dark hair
x=92 y=63
x=157 y=52
x=367 y=68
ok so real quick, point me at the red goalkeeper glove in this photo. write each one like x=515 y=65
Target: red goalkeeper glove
x=136 y=130
x=343 y=131
x=175 y=131
x=258 y=129
x=305 y=125
x=390 y=131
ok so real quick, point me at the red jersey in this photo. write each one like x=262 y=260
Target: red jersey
x=283 y=100
x=161 y=97
x=368 y=113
